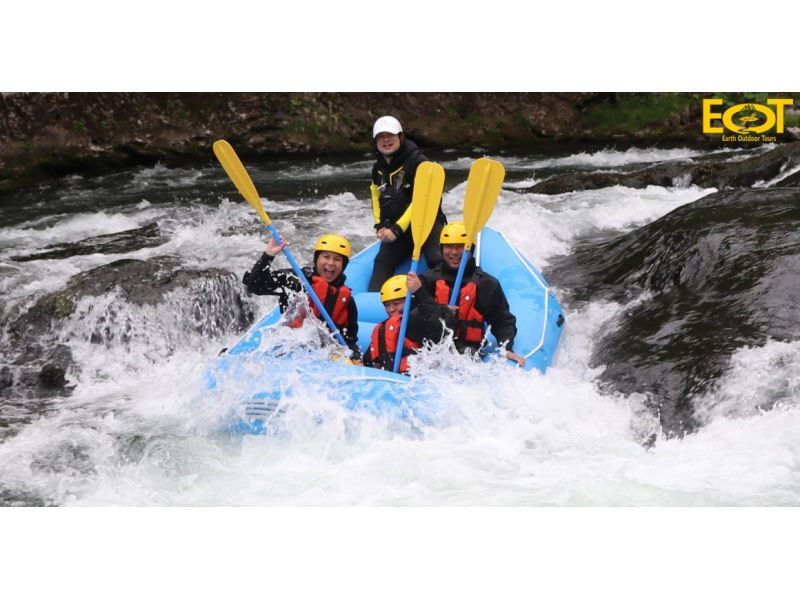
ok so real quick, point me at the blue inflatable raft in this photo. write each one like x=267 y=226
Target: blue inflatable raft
x=262 y=372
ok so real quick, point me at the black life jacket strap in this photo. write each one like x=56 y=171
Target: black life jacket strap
x=330 y=300
x=383 y=356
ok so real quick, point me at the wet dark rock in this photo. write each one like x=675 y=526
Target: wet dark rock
x=62 y=306
x=745 y=173
x=792 y=180
x=122 y=242
x=723 y=273
x=38 y=320
x=38 y=370
x=664 y=174
x=22 y=498
x=139 y=281
x=207 y=302
x=6 y=379
x=52 y=377
x=716 y=170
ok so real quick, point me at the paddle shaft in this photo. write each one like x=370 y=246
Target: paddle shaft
x=425 y=202
x=307 y=285
x=238 y=174
x=398 y=355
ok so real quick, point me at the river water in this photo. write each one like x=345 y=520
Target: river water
x=134 y=426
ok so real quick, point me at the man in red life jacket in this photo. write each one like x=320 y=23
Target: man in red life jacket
x=331 y=255
x=426 y=322
x=481 y=298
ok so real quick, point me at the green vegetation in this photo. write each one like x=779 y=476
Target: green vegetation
x=494 y=137
x=178 y=113
x=631 y=112
x=522 y=121
x=296 y=103
x=792 y=119
x=742 y=97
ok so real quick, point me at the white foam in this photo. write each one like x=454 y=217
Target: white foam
x=524 y=184
x=139 y=429
x=759 y=379
x=72 y=228
x=609 y=158
x=162 y=176
x=543 y=226
x=327 y=171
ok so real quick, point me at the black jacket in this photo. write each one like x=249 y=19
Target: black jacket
x=262 y=280
x=393 y=187
x=490 y=299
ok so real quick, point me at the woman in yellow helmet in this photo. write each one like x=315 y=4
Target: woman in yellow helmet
x=392 y=188
x=331 y=255
x=427 y=322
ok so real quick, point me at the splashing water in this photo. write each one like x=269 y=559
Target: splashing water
x=139 y=428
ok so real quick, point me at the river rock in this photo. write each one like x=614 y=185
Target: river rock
x=716 y=170
x=707 y=279
x=122 y=242
x=6 y=378
x=210 y=302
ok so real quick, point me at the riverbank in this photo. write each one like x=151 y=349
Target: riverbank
x=47 y=135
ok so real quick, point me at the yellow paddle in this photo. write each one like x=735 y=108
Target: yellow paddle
x=428 y=187
x=237 y=173
x=483 y=188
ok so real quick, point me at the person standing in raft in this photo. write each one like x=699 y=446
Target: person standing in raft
x=331 y=255
x=426 y=322
x=481 y=299
x=392 y=189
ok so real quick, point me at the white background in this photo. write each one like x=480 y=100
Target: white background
x=412 y=45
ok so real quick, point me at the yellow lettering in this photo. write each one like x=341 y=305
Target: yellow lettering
x=708 y=116
x=727 y=118
x=780 y=104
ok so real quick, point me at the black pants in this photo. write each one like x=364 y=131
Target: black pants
x=391 y=255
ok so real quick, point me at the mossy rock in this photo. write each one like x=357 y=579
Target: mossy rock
x=62 y=306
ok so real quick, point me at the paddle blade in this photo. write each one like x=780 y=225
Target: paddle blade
x=237 y=173
x=483 y=188
x=428 y=187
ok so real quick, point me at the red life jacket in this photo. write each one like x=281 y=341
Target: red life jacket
x=336 y=301
x=383 y=345
x=469 y=325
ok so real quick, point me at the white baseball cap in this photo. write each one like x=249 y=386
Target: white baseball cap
x=386 y=124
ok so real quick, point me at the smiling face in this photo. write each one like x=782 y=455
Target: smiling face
x=329 y=265
x=394 y=306
x=387 y=143
x=451 y=254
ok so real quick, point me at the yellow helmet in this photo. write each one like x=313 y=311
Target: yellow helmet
x=335 y=244
x=454 y=233
x=394 y=288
